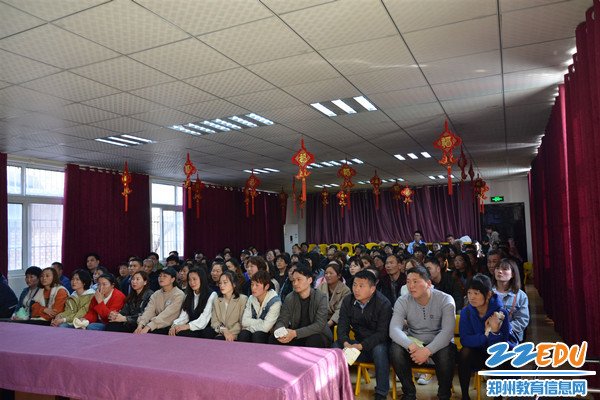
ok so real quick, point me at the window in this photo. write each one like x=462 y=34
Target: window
x=35 y=216
x=167 y=219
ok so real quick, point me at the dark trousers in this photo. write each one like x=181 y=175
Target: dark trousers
x=253 y=337
x=120 y=327
x=471 y=359
x=315 y=340
x=444 y=359
x=160 y=331
x=378 y=355
x=206 y=333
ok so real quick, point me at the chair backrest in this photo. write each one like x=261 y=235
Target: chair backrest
x=370 y=245
x=311 y=246
x=350 y=248
x=457 y=333
x=323 y=247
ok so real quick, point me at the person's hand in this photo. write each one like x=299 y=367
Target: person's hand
x=356 y=346
x=420 y=355
x=99 y=296
x=330 y=323
x=172 y=331
x=412 y=348
x=50 y=312
x=494 y=322
x=289 y=337
x=57 y=321
x=228 y=335
x=141 y=330
x=117 y=317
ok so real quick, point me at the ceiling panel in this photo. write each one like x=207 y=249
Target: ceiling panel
x=387 y=80
x=266 y=100
x=173 y=94
x=232 y=82
x=14 y=21
x=12 y=68
x=553 y=53
x=469 y=88
x=462 y=68
x=295 y=70
x=70 y=87
x=123 y=103
x=49 y=10
x=27 y=99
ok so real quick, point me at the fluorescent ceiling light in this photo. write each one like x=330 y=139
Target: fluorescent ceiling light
x=320 y=107
x=333 y=184
x=216 y=126
x=431 y=177
x=260 y=171
x=243 y=121
x=327 y=185
x=227 y=124
x=138 y=138
x=412 y=155
x=365 y=103
x=399 y=157
x=122 y=140
x=319 y=186
x=271 y=169
x=248 y=171
x=425 y=154
x=316 y=165
x=441 y=176
x=185 y=130
x=344 y=106
x=326 y=164
x=452 y=176
x=201 y=128
x=260 y=119
x=346 y=161
x=111 y=142
x=334 y=163
x=357 y=161
x=383 y=180
x=401 y=180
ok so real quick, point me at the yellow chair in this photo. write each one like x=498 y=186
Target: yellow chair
x=363 y=371
x=370 y=245
x=528 y=269
x=311 y=246
x=337 y=245
x=350 y=248
x=323 y=248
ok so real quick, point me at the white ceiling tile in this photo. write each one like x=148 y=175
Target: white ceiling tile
x=123 y=73
x=123 y=103
x=27 y=99
x=459 y=39
x=256 y=42
x=469 y=88
x=8 y=111
x=86 y=132
x=132 y=28
x=49 y=10
x=285 y=6
x=165 y=117
x=461 y=68
x=387 y=80
x=331 y=89
x=341 y=22
x=17 y=69
x=468 y=104
x=397 y=98
x=57 y=47
x=40 y=121
x=15 y=21
x=408 y=114
x=173 y=94
x=295 y=70
x=296 y=113
x=69 y=86
x=531 y=96
x=267 y=100
x=85 y=114
x=555 y=53
x=534 y=78
x=214 y=15
x=185 y=59
x=232 y=82
x=213 y=109
x=543 y=23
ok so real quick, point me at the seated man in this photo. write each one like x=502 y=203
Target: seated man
x=430 y=317
x=444 y=282
x=304 y=314
x=66 y=282
x=164 y=306
x=368 y=312
x=394 y=280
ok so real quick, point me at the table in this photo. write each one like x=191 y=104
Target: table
x=111 y=365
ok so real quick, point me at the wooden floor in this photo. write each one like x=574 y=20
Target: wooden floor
x=540 y=329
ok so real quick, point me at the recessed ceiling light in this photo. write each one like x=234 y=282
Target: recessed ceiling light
x=441 y=176
x=320 y=107
x=334 y=163
x=412 y=155
x=357 y=161
x=425 y=154
x=201 y=128
x=248 y=171
x=326 y=164
x=399 y=157
x=271 y=169
x=185 y=130
x=333 y=184
x=384 y=181
x=111 y=142
x=344 y=106
x=122 y=140
x=260 y=119
x=216 y=126
x=431 y=177
x=319 y=186
x=260 y=171
x=452 y=176
x=365 y=103
x=243 y=121
x=401 y=180
x=139 y=139
x=226 y=123
x=316 y=165
x=345 y=161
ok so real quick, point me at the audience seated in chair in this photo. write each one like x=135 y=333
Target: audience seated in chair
x=135 y=303
x=228 y=308
x=105 y=300
x=392 y=282
x=335 y=290
x=32 y=280
x=444 y=282
x=78 y=303
x=262 y=310
x=50 y=300
x=507 y=284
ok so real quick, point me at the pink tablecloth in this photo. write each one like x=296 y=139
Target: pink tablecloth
x=108 y=365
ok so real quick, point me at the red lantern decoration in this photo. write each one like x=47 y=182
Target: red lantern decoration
x=376 y=182
x=126 y=180
x=346 y=172
x=197 y=188
x=342 y=197
x=324 y=201
x=303 y=159
x=471 y=175
x=189 y=170
x=252 y=183
x=407 y=193
x=283 y=196
x=446 y=143
x=462 y=164
x=397 y=191
x=294 y=192
x=480 y=188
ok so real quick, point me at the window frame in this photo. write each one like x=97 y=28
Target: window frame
x=163 y=253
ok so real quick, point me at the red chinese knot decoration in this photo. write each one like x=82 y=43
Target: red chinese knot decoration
x=407 y=193
x=126 y=180
x=189 y=170
x=283 y=196
x=346 y=172
x=397 y=191
x=302 y=204
x=479 y=188
x=342 y=197
x=471 y=175
x=376 y=182
x=252 y=183
x=197 y=188
x=303 y=159
x=324 y=200
x=446 y=143
x=462 y=164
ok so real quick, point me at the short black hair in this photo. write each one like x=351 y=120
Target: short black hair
x=84 y=277
x=95 y=255
x=304 y=270
x=419 y=232
x=432 y=260
x=366 y=275
x=103 y=269
x=58 y=264
x=373 y=271
x=494 y=253
x=480 y=282
x=421 y=271
x=109 y=277
x=173 y=257
x=33 y=270
x=153 y=254
x=285 y=257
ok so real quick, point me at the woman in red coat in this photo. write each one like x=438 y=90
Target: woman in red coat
x=106 y=299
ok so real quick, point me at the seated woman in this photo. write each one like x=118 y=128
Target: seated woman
x=463 y=271
x=215 y=274
x=234 y=266
x=480 y=326
x=123 y=274
x=182 y=282
x=138 y=298
x=78 y=303
x=335 y=290
x=196 y=312
x=507 y=284
x=106 y=299
x=282 y=262
x=100 y=270
x=262 y=310
x=228 y=309
x=355 y=266
x=50 y=301
x=32 y=279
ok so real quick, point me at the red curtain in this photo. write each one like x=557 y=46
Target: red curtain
x=94 y=217
x=432 y=211
x=3 y=217
x=223 y=222
x=565 y=197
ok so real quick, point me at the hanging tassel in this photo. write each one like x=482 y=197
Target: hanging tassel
x=348 y=199
x=449 y=179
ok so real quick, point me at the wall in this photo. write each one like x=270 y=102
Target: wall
x=293 y=224
x=515 y=190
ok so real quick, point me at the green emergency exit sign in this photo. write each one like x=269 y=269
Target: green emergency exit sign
x=497 y=199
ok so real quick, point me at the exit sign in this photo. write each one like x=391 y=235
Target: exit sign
x=497 y=199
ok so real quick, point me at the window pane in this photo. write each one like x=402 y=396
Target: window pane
x=15 y=236
x=41 y=182
x=173 y=231
x=13 y=180
x=45 y=232
x=179 y=195
x=156 y=247
x=163 y=194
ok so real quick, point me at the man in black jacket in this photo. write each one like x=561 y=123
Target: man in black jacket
x=444 y=282
x=369 y=313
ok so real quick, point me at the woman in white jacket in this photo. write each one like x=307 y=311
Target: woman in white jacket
x=262 y=310
x=197 y=307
